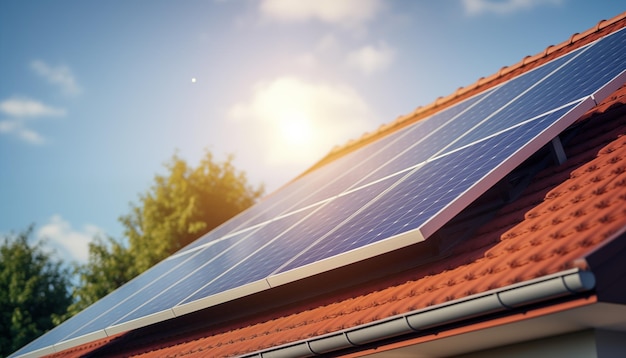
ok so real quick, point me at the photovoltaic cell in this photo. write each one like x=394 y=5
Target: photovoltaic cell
x=397 y=185
x=159 y=286
x=580 y=78
x=214 y=268
x=293 y=240
x=418 y=197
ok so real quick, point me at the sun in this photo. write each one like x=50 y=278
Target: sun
x=296 y=129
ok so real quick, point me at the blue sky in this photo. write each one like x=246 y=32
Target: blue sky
x=96 y=95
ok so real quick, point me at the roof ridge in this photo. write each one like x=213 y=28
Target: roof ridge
x=483 y=83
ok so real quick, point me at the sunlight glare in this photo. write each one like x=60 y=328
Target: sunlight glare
x=296 y=129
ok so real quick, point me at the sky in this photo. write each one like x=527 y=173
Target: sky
x=95 y=96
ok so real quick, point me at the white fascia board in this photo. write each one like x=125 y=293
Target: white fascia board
x=90 y=337
x=140 y=322
x=222 y=297
x=387 y=245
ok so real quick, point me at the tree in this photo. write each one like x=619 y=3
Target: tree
x=177 y=209
x=109 y=266
x=183 y=205
x=33 y=291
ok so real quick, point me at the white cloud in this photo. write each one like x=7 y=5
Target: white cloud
x=475 y=7
x=8 y=126
x=70 y=244
x=30 y=136
x=24 y=108
x=337 y=12
x=307 y=60
x=369 y=59
x=328 y=43
x=60 y=76
x=17 y=128
x=295 y=122
x=20 y=111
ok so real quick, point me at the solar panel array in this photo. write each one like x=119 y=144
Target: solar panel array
x=387 y=195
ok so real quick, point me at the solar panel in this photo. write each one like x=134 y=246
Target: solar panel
x=394 y=192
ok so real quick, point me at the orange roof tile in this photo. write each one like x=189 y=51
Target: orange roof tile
x=564 y=213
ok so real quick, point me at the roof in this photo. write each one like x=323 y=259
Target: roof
x=565 y=220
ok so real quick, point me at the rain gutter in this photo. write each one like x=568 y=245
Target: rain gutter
x=561 y=284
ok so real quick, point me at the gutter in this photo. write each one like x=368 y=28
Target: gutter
x=561 y=284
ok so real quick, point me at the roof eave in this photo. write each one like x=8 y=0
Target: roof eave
x=571 y=282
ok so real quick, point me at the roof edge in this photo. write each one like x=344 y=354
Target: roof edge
x=561 y=284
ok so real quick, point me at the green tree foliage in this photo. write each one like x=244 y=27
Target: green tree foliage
x=177 y=209
x=183 y=205
x=33 y=291
x=109 y=266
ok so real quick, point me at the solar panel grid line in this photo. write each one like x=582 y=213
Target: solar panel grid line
x=112 y=314
x=452 y=130
x=382 y=223
x=396 y=161
x=296 y=240
x=344 y=171
x=204 y=273
x=75 y=323
x=252 y=253
x=326 y=189
x=404 y=239
x=246 y=229
x=170 y=291
x=345 y=220
x=605 y=91
x=133 y=293
x=245 y=225
x=249 y=215
x=435 y=157
x=429 y=134
x=216 y=240
x=399 y=135
x=574 y=111
x=303 y=187
x=592 y=68
x=193 y=271
x=554 y=71
x=534 y=85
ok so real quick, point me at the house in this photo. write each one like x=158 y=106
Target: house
x=533 y=266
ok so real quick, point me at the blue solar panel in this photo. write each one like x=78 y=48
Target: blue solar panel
x=142 y=295
x=588 y=70
x=395 y=191
x=221 y=262
x=418 y=197
x=294 y=240
x=361 y=167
